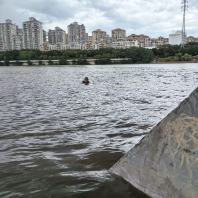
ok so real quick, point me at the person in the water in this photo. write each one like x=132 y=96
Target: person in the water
x=86 y=81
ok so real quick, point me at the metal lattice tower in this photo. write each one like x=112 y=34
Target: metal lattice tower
x=184 y=9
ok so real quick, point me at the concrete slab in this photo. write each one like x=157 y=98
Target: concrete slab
x=165 y=163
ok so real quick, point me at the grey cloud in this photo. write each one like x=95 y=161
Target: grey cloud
x=152 y=17
x=51 y=8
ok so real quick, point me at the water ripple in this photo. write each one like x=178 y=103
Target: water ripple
x=58 y=138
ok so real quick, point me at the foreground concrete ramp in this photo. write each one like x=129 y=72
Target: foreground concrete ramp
x=165 y=163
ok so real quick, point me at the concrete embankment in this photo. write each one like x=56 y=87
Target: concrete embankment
x=165 y=163
x=66 y=62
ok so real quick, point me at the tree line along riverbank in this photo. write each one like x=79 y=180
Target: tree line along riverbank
x=102 y=56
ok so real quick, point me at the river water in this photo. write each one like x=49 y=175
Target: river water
x=58 y=138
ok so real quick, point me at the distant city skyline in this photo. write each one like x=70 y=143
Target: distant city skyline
x=33 y=36
x=152 y=17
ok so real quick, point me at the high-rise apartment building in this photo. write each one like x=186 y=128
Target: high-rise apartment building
x=57 y=39
x=52 y=37
x=99 y=39
x=118 y=35
x=56 y=36
x=9 y=38
x=88 y=44
x=60 y=35
x=76 y=35
x=18 y=40
x=176 y=38
x=33 y=34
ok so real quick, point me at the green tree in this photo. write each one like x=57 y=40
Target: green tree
x=178 y=56
x=187 y=57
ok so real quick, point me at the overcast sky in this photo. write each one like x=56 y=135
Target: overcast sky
x=151 y=17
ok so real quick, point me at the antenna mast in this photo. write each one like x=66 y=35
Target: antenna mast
x=184 y=9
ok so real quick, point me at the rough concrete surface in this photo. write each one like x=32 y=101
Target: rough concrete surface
x=165 y=163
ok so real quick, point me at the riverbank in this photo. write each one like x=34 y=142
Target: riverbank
x=67 y=62
x=84 y=62
x=175 y=62
x=77 y=57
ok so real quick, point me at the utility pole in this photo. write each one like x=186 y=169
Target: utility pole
x=184 y=9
